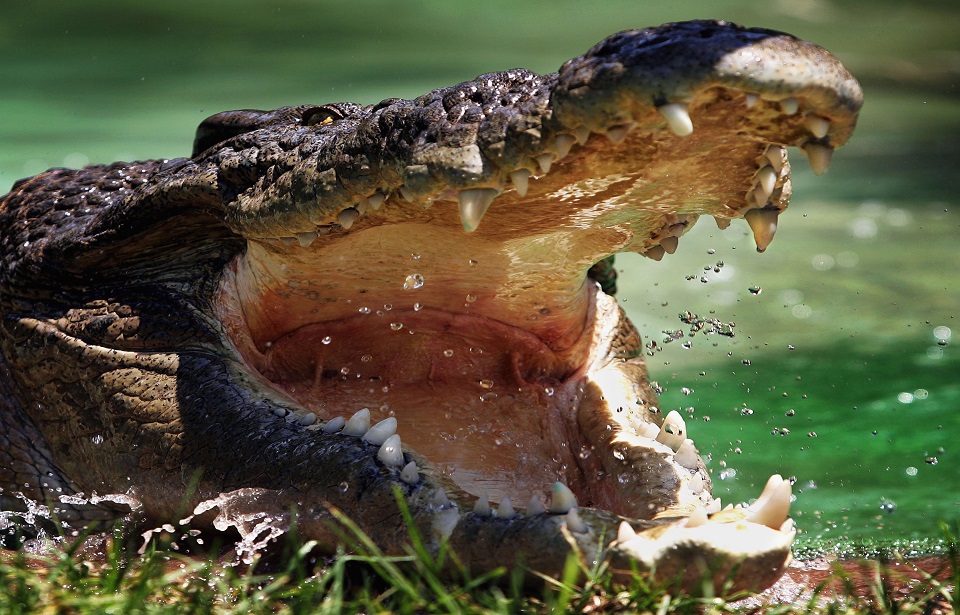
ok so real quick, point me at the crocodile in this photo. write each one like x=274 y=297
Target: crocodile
x=241 y=338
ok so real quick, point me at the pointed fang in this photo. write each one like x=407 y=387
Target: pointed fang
x=379 y=433
x=618 y=133
x=790 y=105
x=773 y=505
x=376 y=200
x=563 y=499
x=347 y=217
x=697 y=518
x=818 y=126
x=390 y=453
x=505 y=511
x=534 y=507
x=669 y=244
x=574 y=524
x=482 y=507
x=722 y=223
x=678 y=119
x=563 y=143
x=766 y=181
x=358 y=424
x=673 y=432
x=473 y=205
x=582 y=135
x=655 y=252
x=819 y=157
x=520 y=180
x=625 y=532
x=544 y=161
x=763 y=223
x=410 y=473
x=687 y=455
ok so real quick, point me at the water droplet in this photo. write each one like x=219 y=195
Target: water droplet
x=549 y=391
x=388 y=306
x=344 y=370
x=472 y=262
x=471 y=298
x=364 y=310
x=888 y=506
x=727 y=473
x=413 y=281
x=746 y=412
x=755 y=290
x=415 y=256
x=326 y=340
x=931 y=460
x=396 y=326
x=448 y=353
x=686 y=391
x=366 y=358
x=618 y=455
x=488 y=396
x=417 y=307
x=344 y=486
x=486 y=383
x=911 y=471
x=97 y=439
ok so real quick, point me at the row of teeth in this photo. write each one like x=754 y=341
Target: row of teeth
x=770 y=509
x=474 y=202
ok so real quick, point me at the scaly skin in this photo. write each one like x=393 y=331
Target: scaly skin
x=180 y=336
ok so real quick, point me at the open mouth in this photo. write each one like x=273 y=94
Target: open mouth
x=441 y=285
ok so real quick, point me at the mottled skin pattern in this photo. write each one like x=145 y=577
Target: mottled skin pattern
x=146 y=306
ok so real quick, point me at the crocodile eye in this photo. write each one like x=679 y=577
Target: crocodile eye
x=320 y=116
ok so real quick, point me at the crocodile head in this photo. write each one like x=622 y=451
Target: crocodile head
x=272 y=316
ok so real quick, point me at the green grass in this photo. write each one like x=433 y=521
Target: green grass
x=67 y=579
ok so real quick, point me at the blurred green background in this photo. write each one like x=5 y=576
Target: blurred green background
x=845 y=370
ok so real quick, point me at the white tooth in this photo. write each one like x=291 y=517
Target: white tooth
x=306 y=239
x=406 y=194
x=307 y=419
x=440 y=498
x=563 y=499
x=534 y=507
x=773 y=505
x=774 y=155
x=751 y=100
x=678 y=118
x=655 y=252
x=713 y=507
x=574 y=524
x=767 y=181
x=674 y=431
x=521 y=180
x=473 y=204
x=563 y=143
x=347 y=217
x=444 y=522
x=376 y=200
x=358 y=424
x=288 y=241
x=697 y=518
x=625 y=532
x=379 y=433
x=788 y=526
x=505 y=511
x=763 y=223
x=819 y=157
x=687 y=455
x=790 y=105
x=582 y=135
x=482 y=507
x=544 y=161
x=722 y=223
x=696 y=484
x=649 y=430
x=728 y=507
x=334 y=425
x=363 y=207
x=677 y=230
x=669 y=244
x=390 y=453
x=618 y=133
x=818 y=126
x=410 y=473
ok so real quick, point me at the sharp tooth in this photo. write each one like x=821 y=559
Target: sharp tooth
x=763 y=223
x=563 y=499
x=774 y=155
x=473 y=204
x=773 y=505
x=767 y=181
x=648 y=430
x=406 y=194
x=358 y=424
x=440 y=498
x=751 y=100
x=363 y=207
x=819 y=157
x=390 y=453
x=288 y=241
x=818 y=126
x=678 y=118
x=521 y=180
x=713 y=507
x=410 y=473
x=722 y=223
x=618 y=133
x=347 y=217
x=563 y=143
x=677 y=230
x=625 y=532
x=534 y=507
x=790 y=105
x=379 y=433
x=376 y=200
x=687 y=455
x=544 y=161
x=673 y=432
x=482 y=507
x=696 y=484
x=306 y=239
x=505 y=511
x=574 y=524
x=334 y=425
x=582 y=135
x=655 y=252
x=697 y=518
x=669 y=244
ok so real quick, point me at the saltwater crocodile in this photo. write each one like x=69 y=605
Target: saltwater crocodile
x=248 y=333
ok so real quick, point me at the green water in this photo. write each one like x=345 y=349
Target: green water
x=859 y=282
